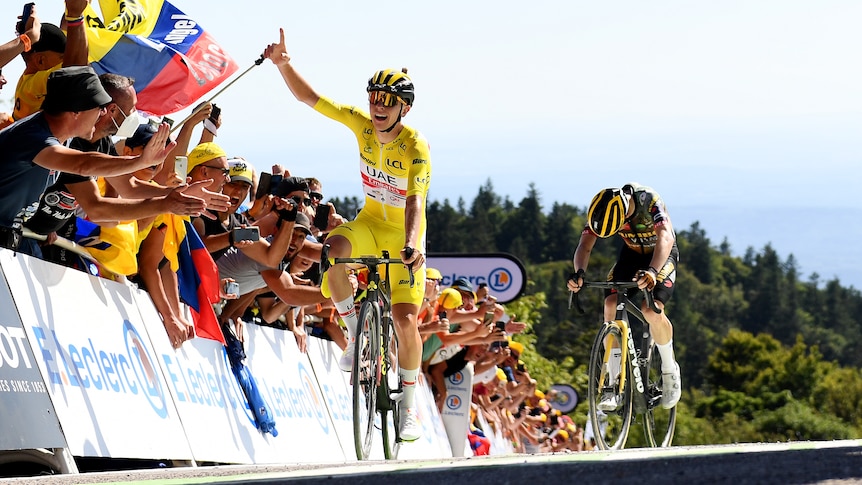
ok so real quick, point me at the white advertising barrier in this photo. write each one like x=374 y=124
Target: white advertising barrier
x=28 y=417
x=217 y=420
x=499 y=444
x=95 y=357
x=456 y=410
x=339 y=398
x=121 y=391
x=287 y=383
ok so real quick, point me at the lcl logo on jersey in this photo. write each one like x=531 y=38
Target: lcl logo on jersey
x=396 y=166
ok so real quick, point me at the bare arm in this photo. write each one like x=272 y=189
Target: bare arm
x=414 y=211
x=581 y=259
x=61 y=158
x=11 y=49
x=663 y=245
x=281 y=283
x=300 y=88
x=77 y=50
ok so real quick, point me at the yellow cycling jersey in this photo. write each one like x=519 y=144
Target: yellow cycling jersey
x=390 y=172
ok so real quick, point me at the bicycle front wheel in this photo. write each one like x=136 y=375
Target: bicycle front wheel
x=659 y=423
x=611 y=425
x=389 y=393
x=366 y=372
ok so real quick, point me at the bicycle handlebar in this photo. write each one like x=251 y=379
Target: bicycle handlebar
x=613 y=285
x=363 y=260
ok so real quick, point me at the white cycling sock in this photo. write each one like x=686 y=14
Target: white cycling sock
x=615 y=364
x=408 y=386
x=347 y=311
x=668 y=361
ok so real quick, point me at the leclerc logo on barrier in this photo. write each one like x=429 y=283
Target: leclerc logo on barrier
x=88 y=367
x=503 y=273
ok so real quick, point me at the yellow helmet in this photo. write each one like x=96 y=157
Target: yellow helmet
x=393 y=82
x=607 y=212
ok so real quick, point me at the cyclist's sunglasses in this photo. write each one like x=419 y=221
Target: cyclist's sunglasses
x=384 y=98
x=299 y=200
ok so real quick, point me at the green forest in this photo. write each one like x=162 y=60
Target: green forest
x=766 y=354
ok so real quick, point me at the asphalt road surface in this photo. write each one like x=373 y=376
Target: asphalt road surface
x=836 y=462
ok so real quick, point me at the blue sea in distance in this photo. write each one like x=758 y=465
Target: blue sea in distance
x=821 y=240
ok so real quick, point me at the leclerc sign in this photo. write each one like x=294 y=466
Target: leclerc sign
x=503 y=273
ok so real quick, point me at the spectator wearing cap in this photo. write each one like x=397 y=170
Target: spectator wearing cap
x=125 y=206
x=157 y=257
x=218 y=235
x=252 y=276
x=296 y=188
x=432 y=292
x=134 y=145
x=53 y=50
x=32 y=147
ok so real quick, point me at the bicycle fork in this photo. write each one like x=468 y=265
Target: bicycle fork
x=630 y=356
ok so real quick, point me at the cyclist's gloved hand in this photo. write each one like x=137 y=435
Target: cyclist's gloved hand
x=646 y=278
x=575 y=281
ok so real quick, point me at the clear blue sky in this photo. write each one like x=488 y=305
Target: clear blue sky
x=745 y=115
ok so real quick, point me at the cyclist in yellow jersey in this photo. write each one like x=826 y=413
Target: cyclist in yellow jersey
x=395 y=168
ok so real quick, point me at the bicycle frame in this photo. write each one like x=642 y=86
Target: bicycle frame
x=643 y=394
x=382 y=394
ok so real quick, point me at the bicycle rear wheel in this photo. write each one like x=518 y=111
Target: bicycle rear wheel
x=610 y=428
x=389 y=393
x=659 y=423
x=366 y=372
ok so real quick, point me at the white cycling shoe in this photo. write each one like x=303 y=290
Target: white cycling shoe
x=345 y=363
x=671 y=388
x=610 y=401
x=411 y=430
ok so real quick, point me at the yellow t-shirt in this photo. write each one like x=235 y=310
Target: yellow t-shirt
x=30 y=92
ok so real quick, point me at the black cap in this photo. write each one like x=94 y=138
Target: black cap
x=51 y=39
x=142 y=135
x=463 y=284
x=75 y=88
x=290 y=184
x=303 y=223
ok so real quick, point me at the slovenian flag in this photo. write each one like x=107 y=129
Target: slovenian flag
x=173 y=60
x=199 y=283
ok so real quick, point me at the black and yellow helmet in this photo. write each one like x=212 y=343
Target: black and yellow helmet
x=393 y=82
x=607 y=212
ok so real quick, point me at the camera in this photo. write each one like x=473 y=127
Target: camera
x=246 y=234
x=231 y=288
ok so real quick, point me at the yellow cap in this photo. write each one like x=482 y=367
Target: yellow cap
x=501 y=374
x=204 y=153
x=433 y=274
x=450 y=298
x=517 y=347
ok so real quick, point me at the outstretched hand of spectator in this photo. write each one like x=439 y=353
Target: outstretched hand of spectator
x=180 y=203
x=214 y=201
x=157 y=148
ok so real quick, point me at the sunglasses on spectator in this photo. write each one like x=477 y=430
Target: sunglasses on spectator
x=306 y=201
x=316 y=196
x=384 y=98
x=224 y=171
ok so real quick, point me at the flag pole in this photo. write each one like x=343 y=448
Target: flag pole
x=258 y=62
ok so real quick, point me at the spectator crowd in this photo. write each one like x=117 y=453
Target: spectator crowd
x=91 y=183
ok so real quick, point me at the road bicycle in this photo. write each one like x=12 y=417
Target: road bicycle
x=635 y=380
x=375 y=377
